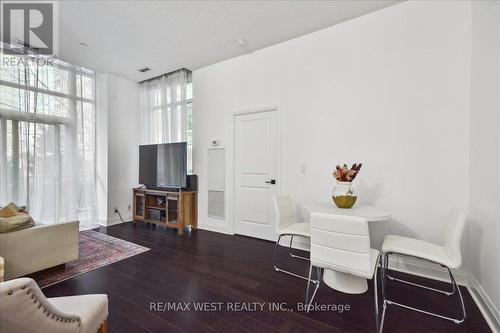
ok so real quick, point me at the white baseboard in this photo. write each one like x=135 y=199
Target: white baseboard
x=115 y=220
x=485 y=304
x=435 y=272
x=216 y=225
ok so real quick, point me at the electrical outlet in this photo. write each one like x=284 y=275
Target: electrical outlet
x=129 y=207
x=303 y=168
x=116 y=209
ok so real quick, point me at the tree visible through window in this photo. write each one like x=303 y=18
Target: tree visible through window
x=47 y=138
x=167 y=110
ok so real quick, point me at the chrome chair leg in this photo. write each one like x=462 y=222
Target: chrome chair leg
x=384 y=308
x=294 y=255
x=447 y=293
x=308 y=287
x=456 y=321
x=389 y=302
x=385 y=265
x=444 y=292
x=278 y=269
x=459 y=295
x=317 y=282
x=375 y=291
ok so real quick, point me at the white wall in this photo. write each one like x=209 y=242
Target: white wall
x=484 y=227
x=102 y=147
x=118 y=140
x=390 y=89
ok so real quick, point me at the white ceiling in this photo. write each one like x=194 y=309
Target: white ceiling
x=123 y=36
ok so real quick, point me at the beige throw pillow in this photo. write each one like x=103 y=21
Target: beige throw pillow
x=9 y=210
x=13 y=218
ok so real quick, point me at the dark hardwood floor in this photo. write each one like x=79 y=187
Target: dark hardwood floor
x=203 y=266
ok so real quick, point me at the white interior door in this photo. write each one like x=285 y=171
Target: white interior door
x=256 y=173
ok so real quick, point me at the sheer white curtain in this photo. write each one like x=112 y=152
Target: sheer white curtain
x=166 y=104
x=47 y=138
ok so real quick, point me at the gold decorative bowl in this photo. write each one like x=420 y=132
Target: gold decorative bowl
x=344 y=201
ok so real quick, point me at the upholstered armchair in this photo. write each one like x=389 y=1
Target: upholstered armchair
x=1 y=269
x=24 y=308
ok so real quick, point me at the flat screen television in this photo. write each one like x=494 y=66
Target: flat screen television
x=163 y=165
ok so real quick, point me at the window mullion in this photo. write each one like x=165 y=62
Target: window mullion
x=71 y=151
x=57 y=151
x=3 y=161
x=15 y=160
x=69 y=95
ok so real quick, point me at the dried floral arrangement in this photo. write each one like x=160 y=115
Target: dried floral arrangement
x=346 y=174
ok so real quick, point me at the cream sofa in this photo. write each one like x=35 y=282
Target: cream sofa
x=39 y=247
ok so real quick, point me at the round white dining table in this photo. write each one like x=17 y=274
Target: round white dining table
x=338 y=280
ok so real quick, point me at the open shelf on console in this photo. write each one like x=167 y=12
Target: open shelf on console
x=172 y=209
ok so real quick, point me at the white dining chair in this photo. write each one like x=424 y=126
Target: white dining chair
x=447 y=255
x=342 y=243
x=287 y=226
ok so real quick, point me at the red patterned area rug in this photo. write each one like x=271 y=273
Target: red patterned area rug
x=96 y=250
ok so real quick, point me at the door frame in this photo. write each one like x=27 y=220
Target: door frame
x=231 y=161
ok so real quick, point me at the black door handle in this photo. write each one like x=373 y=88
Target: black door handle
x=272 y=181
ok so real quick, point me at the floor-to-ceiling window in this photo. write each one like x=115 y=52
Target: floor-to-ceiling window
x=166 y=103
x=47 y=138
